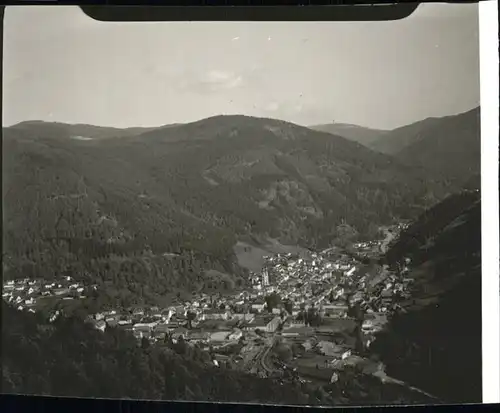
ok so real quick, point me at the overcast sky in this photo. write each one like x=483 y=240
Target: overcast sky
x=60 y=65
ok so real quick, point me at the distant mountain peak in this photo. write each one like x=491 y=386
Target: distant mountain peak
x=360 y=134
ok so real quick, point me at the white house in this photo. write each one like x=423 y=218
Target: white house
x=367 y=325
x=235 y=335
x=258 y=307
x=145 y=326
x=273 y=325
x=211 y=314
x=244 y=316
x=219 y=336
x=124 y=322
x=100 y=325
x=99 y=316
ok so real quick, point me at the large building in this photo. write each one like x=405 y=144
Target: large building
x=265 y=278
x=334 y=310
x=272 y=326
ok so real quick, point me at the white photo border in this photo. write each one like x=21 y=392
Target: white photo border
x=488 y=39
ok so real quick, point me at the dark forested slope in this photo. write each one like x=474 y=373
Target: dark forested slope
x=435 y=342
x=146 y=214
x=450 y=150
x=397 y=139
x=449 y=147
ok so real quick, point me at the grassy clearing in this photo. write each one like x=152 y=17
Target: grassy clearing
x=251 y=256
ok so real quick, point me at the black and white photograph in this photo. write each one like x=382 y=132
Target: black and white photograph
x=283 y=213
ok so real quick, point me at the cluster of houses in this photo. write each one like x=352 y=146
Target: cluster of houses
x=319 y=281
x=196 y=322
x=24 y=294
x=306 y=282
x=301 y=283
x=377 y=292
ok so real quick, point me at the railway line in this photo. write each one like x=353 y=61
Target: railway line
x=259 y=362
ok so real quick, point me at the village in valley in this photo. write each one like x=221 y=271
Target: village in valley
x=296 y=321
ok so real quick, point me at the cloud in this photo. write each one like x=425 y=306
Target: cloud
x=213 y=81
x=223 y=80
x=304 y=111
x=288 y=108
x=272 y=107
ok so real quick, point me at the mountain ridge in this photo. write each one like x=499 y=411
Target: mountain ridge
x=397 y=139
x=449 y=146
x=392 y=141
x=361 y=134
x=193 y=190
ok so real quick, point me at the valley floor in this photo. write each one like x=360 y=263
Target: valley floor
x=295 y=323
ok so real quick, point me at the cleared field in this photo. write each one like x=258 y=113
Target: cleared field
x=310 y=360
x=313 y=366
x=251 y=256
x=317 y=367
x=52 y=303
x=336 y=325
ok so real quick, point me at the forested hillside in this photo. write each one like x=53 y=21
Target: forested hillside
x=397 y=139
x=449 y=147
x=435 y=342
x=145 y=215
x=450 y=150
x=39 y=128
